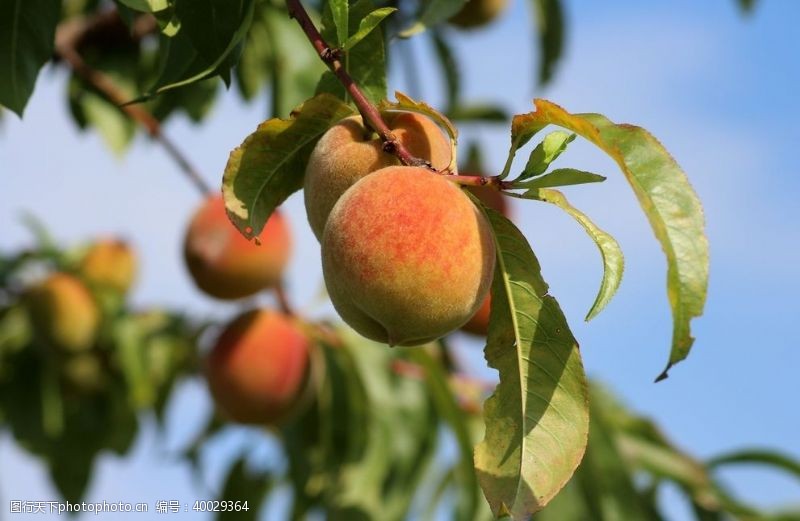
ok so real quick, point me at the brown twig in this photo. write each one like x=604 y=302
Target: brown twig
x=69 y=37
x=370 y=114
x=283 y=300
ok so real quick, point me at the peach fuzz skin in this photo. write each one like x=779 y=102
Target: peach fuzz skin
x=64 y=313
x=407 y=257
x=348 y=151
x=256 y=372
x=225 y=265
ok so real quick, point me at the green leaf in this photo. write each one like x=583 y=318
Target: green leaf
x=366 y=63
x=560 y=177
x=746 y=6
x=450 y=71
x=550 y=25
x=146 y=6
x=613 y=262
x=453 y=416
x=760 y=457
x=478 y=112
x=368 y=24
x=552 y=146
x=666 y=197
x=537 y=420
x=27 y=34
x=340 y=13
x=269 y=165
x=210 y=32
x=433 y=12
x=243 y=486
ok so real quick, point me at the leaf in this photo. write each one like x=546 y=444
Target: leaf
x=613 y=262
x=552 y=146
x=210 y=31
x=367 y=25
x=244 y=487
x=537 y=420
x=450 y=71
x=761 y=457
x=667 y=198
x=560 y=177
x=406 y=103
x=366 y=63
x=432 y=13
x=453 y=416
x=270 y=164
x=746 y=6
x=478 y=112
x=146 y=6
x=340 y=10
x=550 y=24
x=27 y=34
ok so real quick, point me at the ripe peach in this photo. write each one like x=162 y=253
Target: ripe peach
x=477 y=13
x=63 y=313
x=348 y=151
x=111 y=264
x=406 y=256
x=223 y=263
x=257 y=370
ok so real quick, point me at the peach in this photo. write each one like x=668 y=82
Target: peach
x=406 y=256
x=257 y=370
x=109 y=263
x=223 y=263
x=477 y=13
x=348 y=151
x=64 y=313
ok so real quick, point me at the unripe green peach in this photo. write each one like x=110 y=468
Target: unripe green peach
x=407 y=257
x=348 y=151
x=479 y=323
x=63 y=313
x=109 y=263
x=223 y=263
x=477 y=13
x=84 y=372
x=258 y=368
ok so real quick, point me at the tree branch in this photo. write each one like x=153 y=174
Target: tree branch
x=70 y=36
x=369 y=112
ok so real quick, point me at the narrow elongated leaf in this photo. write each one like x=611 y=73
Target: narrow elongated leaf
x=27 y=33
x=560 y=177
x=759 y=457
x=146 y=6
x=340 y=13
x=432 y=13
x=613 y=262
x=449 y=67
x=667 y=198
x=550 y=24
x=242 y=486
x=537 y=420
x=552 y=146
x=366 y=63
x=270 y=164
x=367 y=25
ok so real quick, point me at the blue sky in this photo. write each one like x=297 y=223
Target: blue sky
x=718 y=90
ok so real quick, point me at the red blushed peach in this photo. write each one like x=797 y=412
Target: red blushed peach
x=406 y=256
x=258 y=368
x=348 y=151
x=224 y=264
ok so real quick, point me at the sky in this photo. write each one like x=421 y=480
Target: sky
x=718 y=89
